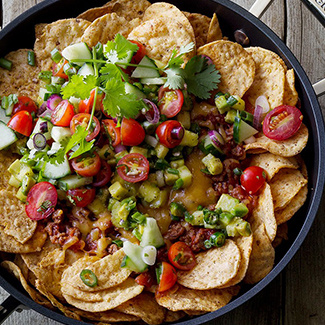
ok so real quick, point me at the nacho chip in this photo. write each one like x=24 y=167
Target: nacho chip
x=144 y=306
x=215 y=268
x=285 y=185
x=14 y=81
x=58 y=35
x=22 y=265
x=262 y=256
x=6 y=159
x=197 y=300
x=39 y=30
x=285 y=214
x=269 y=77
x=281 y=234
x=200 y=24
x=290 y=92
x=273 y=163
x=105 y=299
x=287 y=148
x=236 y=66
x=108 y=271
x=173 y=316
x=214 y=32
x=161 y=36
x=194 y=312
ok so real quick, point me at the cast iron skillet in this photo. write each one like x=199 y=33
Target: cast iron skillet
x=20 y=34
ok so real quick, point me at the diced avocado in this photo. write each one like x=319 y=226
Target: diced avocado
x=151 y=234
x=170 y=178
x=177 y=209
x=190 y=139
x=24 y=170
x=196 y=219
x=26 y=184
x=239 y=210
x=242 y=130
x=142 y=151
x=106 y=153
x=120 y=155
x=13 y=181
x=149 y=191
x=73 y=181
x=185 y=175
x=161 y=200
x=177 y=163
x=240 y=105
x=238 y=226
x=227 y=202
x=222 y=105
x=133 y=260
x=118 y=191
x=230 y=116
x=161 y=151
x=97 y=206
x=225 y=219
x=21 y=196
x=184 y=118
x=15 y=167
x=120 y=215
x=244 y=228
x=213 y=164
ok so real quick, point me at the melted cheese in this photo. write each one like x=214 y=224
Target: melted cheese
x=203 y=108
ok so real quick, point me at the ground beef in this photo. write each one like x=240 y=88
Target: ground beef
x=111 y=249
x=162 y=255
x=175 y=230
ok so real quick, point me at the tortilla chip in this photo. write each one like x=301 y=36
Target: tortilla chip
x=236 y=66
x=290 y=92
x=6 y=159
x=58 y=35
x=10 y=245
x=22 y=265
x=284 y=215
x=194 y=312
x=262 y=256
x=214 y=32
x=144 y=306
x=161 y=36
x=105 y=299
x=14 y=218
x=39 y=30
x=269 y=77
x=273 y=163
x=105 y=28
x=14 y=81
x=200 y=24
x=287 y=148
x=281 y=234
x=215 y=268
x=197 y=300
x=173 y=316
x=285 y=185
x=108 y=271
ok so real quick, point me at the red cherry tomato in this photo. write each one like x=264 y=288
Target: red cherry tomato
x=24 y=104
x=145 y=279
x=133 y=168
x=88 y=166
x=132 y=133
x=252 y=179
x=22 y=122
x=82 y=196
x=104 y=175
x=62 y=114
x=170 y=133
x=282 y=122
x=58 y=69
x=168 y=277
x=138 y=56
x=181 y=256
x=112 y=132
x=170 y=101
x=41 y=201
x=86 y=105
x=82 y=119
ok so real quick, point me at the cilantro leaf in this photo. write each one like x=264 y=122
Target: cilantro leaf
x=119 y=49
x=175 y=78
x=118 y=103
x=201 y=77
x=79 y=87
x=176 y=58
x=110 y=71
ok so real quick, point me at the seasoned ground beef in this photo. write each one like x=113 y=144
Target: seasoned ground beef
x=175 y=230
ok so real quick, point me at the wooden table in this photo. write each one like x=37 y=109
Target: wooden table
x=297 y=295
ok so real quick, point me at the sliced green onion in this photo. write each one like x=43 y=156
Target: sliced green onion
x=89 y=278
x=172 y=171
x=69 y=69
x=56 y=55
x=237 y=171
x=232 y=101
x=6 y=64
x=118 y=242
x=207 y=244
x=161 y=164
x=218 y=239
x=45 y=75
x=178 y=184
x=31 y=58
x=158 y=272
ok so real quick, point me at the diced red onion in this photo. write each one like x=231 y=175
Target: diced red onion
x=208 y=58
x=251 y=139
x=39 y=141
x=151 y=141
x=156 y=112
x=222 y=132
x=46 y=113
x=119 y=148
x=258 y=117
x=177 y=133
x=53 y=101
x=262 y=101
x=42 y=109
x=43 y=127
x=216 y=138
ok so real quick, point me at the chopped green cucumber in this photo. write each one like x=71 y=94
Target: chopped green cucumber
x=213 y=164
x=207 y=146
x=130 y=89
x=86 y=70
x=56 y=171
x=133 y=260
x=153 y=81
x=59 y=133
x=190 y=139
x=143 y=72
x=230 y=116
x=185 y=175
x=170 y=178
x=39 y=126
x=161 y=151
x=77 y=51
x=73 y=181
x=3 y=117
x=151 y=234
x=242 y=130
x=8 y=136
x=26 y=184
x=161 y=199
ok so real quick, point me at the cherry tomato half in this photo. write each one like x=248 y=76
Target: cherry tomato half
x=104 y=175
x=88 y=166
x=282 y=122
x=58 y=69
x=145 y=279
x=112 y=132
x=62 y=114
x=170 y=133
x=170 y=101
x=181 y=256
x=22 y=122
x=86 y=105
x=24 y=104
x=132 y=133
x=133 y=168
x=41 y=201
x=252 y=179
x=138 y=56
x=168 y=277
x=82 y=196
x=83 y=120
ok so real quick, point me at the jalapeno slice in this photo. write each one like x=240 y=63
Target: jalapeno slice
x=89 y=278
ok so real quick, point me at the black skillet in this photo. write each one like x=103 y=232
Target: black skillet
x=20 y=34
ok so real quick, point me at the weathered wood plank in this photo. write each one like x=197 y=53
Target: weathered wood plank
x=13 y=8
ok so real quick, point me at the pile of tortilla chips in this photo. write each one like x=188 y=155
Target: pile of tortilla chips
x=51 y=275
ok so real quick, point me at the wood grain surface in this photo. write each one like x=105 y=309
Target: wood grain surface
x=297 y=295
